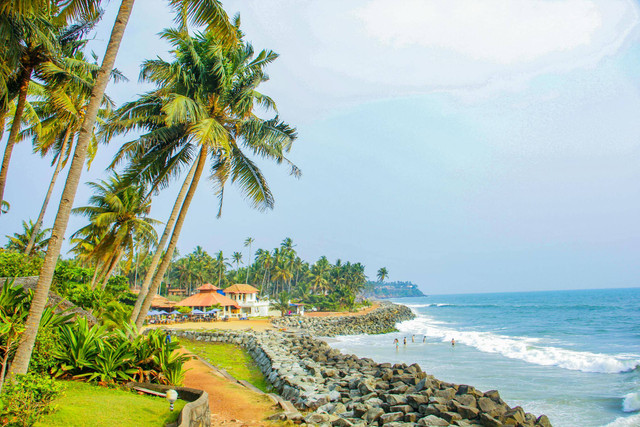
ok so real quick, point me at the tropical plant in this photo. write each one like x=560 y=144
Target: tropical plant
x=282 y=303
x=247 y=243
x=382 y=274
x=204 y=104
x=20 y=241
x=26 y=399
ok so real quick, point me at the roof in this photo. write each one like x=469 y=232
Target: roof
x=161 y=302
x=207 y=299
x=208 y=287
x=240 y=288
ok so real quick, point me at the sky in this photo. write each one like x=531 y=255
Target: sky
x=465 y=146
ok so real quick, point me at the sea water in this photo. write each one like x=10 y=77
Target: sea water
x=572 y=355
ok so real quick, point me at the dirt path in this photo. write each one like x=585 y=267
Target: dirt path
x=230 y=404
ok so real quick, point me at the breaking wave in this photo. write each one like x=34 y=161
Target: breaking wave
x=528 y=349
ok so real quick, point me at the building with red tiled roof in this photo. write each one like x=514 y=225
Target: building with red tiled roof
x=247 y=297
x=207 y=297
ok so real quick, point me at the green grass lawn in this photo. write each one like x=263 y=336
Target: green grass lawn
x=83 y=404
x=233 y=359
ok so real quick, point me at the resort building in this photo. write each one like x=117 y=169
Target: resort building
x=207 y=297
x=246 y=296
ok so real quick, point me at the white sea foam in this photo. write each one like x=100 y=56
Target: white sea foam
x=428 y=305
x=632 y=421
x=528 y=349
x=631 y=402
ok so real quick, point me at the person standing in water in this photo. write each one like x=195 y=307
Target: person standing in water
x=453 y=342
x=424 y=338
x=405 y=340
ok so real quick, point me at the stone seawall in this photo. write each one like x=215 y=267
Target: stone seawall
x=379 y=321
x=344 y=390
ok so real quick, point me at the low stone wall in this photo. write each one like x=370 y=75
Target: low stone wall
x=379 y=321
x=344 y=390
x=196 y=413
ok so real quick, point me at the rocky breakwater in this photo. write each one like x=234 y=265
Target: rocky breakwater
x=379 y=321
x=336 y=389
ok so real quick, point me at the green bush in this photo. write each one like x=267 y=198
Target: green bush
x=16 y=264
x=27 y=399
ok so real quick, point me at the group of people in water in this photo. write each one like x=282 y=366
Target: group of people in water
x=413 y=339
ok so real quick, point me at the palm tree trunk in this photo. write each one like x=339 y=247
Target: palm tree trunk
x=112 y=267
x=59 y=164
x=144 y=289
x=25 y=78
x=95 y=275
x=3 y=118
x=22 y=357
x=166 y=260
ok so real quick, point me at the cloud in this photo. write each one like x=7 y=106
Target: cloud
x=498 y=31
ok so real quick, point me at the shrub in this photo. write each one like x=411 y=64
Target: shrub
x=26 y=399
x=16 y=264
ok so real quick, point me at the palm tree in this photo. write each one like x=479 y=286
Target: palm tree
x=211 y=112
x=118 y=214
x=19 y=241
x=43 y=44
x=59 y=112
x=200 y=12
x=382 y=274
x=237 y=257
x=248 y=242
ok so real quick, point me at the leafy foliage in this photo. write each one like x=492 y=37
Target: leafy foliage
x=16 y=264
x=26 y=399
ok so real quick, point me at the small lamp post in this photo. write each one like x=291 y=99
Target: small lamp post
x=172 y=396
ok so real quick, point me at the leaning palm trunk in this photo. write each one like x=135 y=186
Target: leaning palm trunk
x=95 y=274
x=52 y=184
x=25 y=78
x=144 y=289
x=114 y=263
x=23 y=354
x=166 y=260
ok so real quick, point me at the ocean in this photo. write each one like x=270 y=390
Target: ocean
x=572 y=355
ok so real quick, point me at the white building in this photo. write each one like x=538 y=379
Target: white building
x=246 y=296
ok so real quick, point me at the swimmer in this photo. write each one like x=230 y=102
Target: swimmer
x=395 y=341
x=424 y=338
x=413 y=338
x=405 y=340
x=453 y=342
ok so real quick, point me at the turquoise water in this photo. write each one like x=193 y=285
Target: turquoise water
x=573 y=355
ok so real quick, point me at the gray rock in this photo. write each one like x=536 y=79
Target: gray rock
x=391 y=416
x=432 y=420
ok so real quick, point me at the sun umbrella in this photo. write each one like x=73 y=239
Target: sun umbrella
x=196 y=311
x=152 y=313
x=213 y=310
x=159 y=312
x=175 y=312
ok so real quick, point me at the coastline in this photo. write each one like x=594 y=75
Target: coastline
x=339 y=389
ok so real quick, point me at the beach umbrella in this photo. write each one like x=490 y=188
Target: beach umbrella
x=175 y=312
x=196 y=311
x=152 y=313
x=213 y=310
x=159 y=312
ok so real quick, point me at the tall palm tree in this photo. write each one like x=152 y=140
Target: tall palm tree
x=200 y=12
x=204 y=103
x=382 y=274
x=247 y=243
x=19 y=241
x=48 y=38
x=237 y=258
x=60 y=108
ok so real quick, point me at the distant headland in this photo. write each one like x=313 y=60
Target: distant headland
x=391 y=290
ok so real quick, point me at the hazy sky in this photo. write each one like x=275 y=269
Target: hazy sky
x=466 y=146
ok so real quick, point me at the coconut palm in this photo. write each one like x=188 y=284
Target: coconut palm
x=19 y=241
x=59 y=109
x=203 y=107
x=382 y=274
x=47 y=40
x=200 y=12
x=247 y=243
x=237 y=258
x=118 y=214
